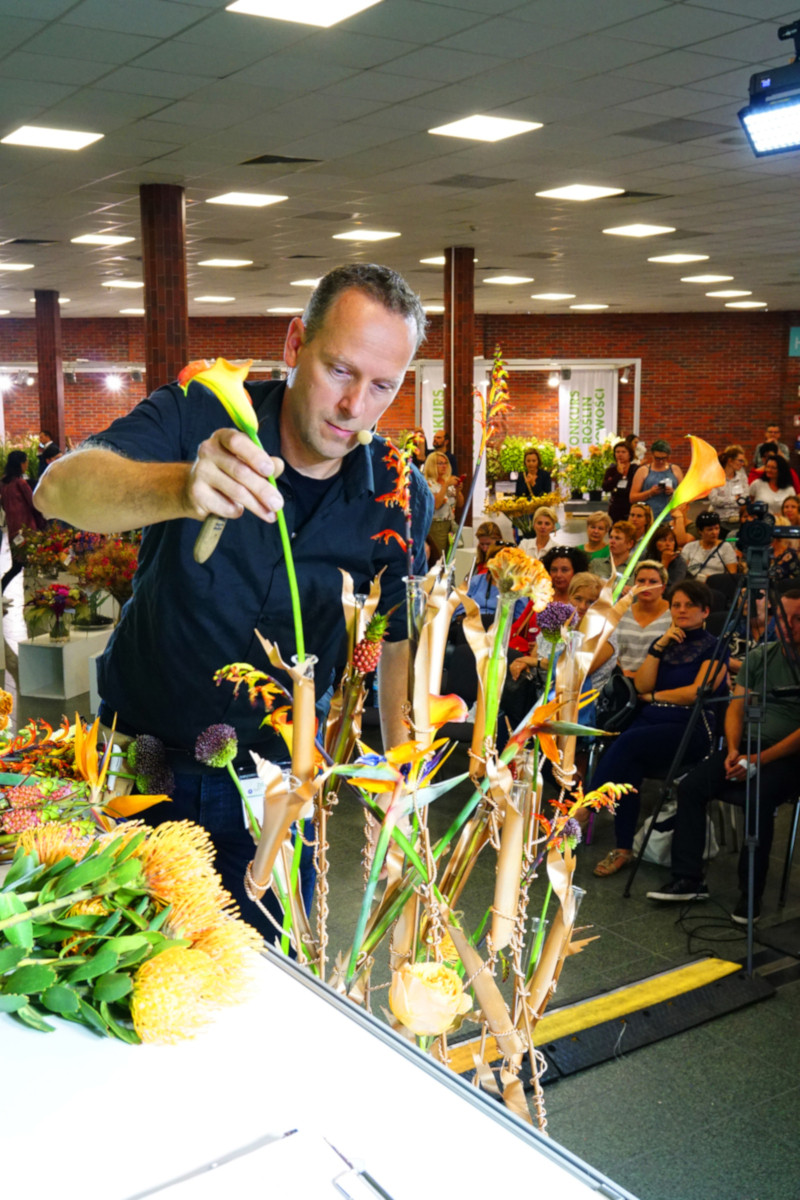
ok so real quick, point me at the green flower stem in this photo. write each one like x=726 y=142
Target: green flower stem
x=536 y=948
x=454 y=543
x=43 y=910
x=551 y=666
x=366 y=903
x=300 y=644
x=294 y=874
x=506 y=602
x=632 y=562
x=255 y=832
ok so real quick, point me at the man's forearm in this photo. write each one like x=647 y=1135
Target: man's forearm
x=101 y=491
x=393 y=693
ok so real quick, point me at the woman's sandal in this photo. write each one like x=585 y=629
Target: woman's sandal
x=614 y=861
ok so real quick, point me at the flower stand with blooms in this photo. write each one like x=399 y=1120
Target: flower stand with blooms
x=109 y=570
x=52 y=607
x=521 y=512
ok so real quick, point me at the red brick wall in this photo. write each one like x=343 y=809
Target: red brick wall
x=719 y=376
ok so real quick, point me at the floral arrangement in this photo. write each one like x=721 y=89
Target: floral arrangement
x=521 y=511
x=512 y=453
x=50 y=606
x=110 y=568
x=130 y=933
x=45 y=551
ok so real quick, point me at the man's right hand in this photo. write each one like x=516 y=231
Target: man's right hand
x=231 y=474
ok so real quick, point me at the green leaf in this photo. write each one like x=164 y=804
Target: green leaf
x=91 y=1017
x=131 y=845
x=10 y=956
x=135 y=919
x=159 y=919
x=126 y=872
x=112 y=987
x=33 y=978
x=89 y=870
x=99 y=964
x=23 y=867
x=123 y=1032
x=21 y=934
x=135 y=956
x=29 y=1016
x=79 y=921
x=130 y=941
x=60 y=999
x=10 y=1004
x=113 y=919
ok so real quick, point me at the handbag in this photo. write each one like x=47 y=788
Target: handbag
x=659 y=846
x=617 y=703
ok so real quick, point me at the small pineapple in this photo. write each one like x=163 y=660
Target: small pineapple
x=367 y=652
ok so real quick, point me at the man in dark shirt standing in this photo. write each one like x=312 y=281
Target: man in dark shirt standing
x=441 y=441
x=176 y=459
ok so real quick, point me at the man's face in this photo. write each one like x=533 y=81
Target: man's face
x=439 y=439
x=791 y=609
x=341 y=380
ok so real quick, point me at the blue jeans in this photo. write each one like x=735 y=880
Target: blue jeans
x=212 y=800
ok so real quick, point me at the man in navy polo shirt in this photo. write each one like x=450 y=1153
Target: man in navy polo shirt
x=175 y=459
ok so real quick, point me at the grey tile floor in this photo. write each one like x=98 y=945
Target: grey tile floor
x=711 y=1114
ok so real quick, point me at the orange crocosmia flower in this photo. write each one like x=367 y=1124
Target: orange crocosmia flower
x=704 y=474
x=386 y=534
x=447 y=708
x=227 y=383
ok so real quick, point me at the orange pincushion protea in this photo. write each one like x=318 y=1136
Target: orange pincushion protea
x=53 y=841
x=178 y=863
x=174 y=994
x=230 y=945
x=514 y=571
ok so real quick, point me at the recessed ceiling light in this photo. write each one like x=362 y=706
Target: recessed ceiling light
x=639 y=231
x=554 y=296
x=706 y=278
x=122 y=283
x=312 y=283
x=729 y=294
x=50 y=139
x=580 y=191
x=747 y=304
x=365 y=235
x=437 y=261
x=433 y=308
x=61 y=300
x=100 y=239
x=226 y=262
x=485 y=129
x=588 y=307
x=510 y=279
x=303 y=12
x=246 y=199
x=214 y=299
x=5 y=266
x=679 y=258
x=285 y=312
x=132 y=312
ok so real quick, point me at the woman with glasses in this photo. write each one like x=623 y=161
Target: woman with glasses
x=654 y=484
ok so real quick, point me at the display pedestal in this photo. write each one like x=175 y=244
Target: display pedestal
x=58 y=670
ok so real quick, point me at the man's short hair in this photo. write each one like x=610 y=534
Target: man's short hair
x=791 y=594
x=381 y=284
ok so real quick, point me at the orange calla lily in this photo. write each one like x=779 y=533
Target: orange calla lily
x=227 y=383
x=704 y=474
x=447 y=708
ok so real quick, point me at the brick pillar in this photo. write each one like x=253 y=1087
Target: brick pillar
x=166 y=319
x=459 y=312
x=51 y=374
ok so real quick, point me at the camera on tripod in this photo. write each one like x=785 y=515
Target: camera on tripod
x=757 y=529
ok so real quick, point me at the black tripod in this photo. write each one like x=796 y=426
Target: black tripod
x=755 y=539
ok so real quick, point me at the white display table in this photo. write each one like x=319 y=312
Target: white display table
x=58 y=670
x=96 y=1119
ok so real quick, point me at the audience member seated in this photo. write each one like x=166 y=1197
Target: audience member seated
x=641 y=518
x=621 y=541
x=791 y=510
x=724 y=500
x=597 y=527
x=447 y=495
x=785 y=561
x=770 y=450
x=710 y=555
x=561 y=563
x=544 y=527
x=533 y=480
x=668 y=681
x=647 y=618
x=654 y=484
x=663 y=548
x=752 y=633
x=775 y=485
x=772 y=438
x=488 y=540
x=617 y=482
x=723 y=775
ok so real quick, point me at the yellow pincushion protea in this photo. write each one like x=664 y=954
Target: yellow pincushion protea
x=427 y=998
x=231 y=945
x=178 y=865
x=53 y=841
x=514 y=571
x=174 y=994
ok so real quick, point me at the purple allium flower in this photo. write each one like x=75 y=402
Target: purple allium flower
x=572 y=832
x=553 y=617
x=147 y=758
x=216 y=746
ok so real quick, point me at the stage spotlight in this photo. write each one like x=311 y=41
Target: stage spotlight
x=624 y=377
x=771 y=121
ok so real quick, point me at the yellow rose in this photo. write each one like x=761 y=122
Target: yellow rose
x=427 y=998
